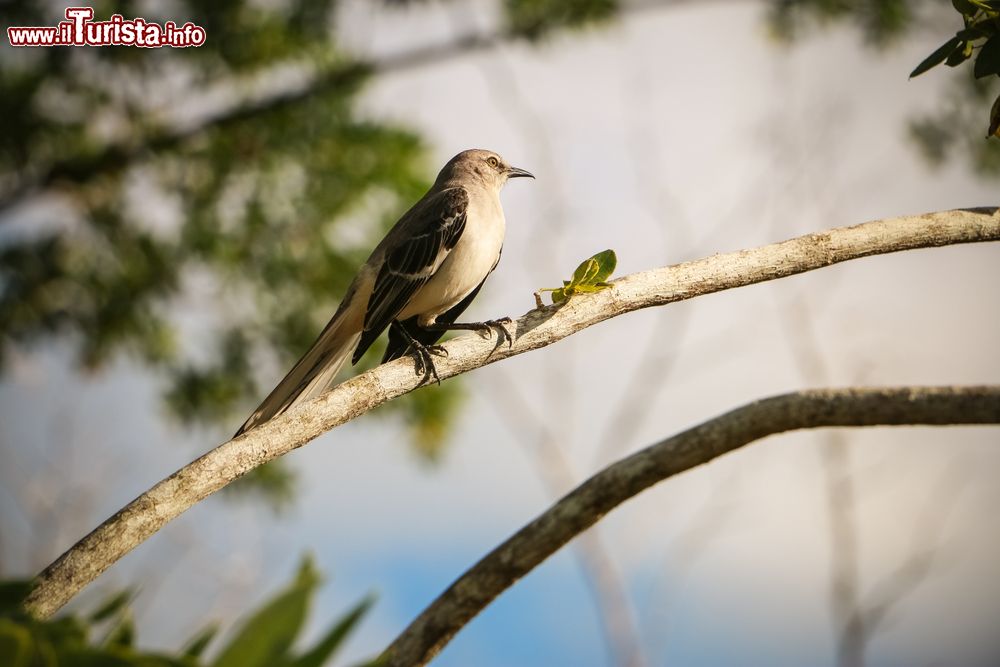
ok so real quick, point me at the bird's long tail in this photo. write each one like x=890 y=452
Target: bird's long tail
x=315 y=371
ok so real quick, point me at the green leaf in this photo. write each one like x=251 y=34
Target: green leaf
x=13 y=593
x=595 y=269
x=111 y=606
x=994 y=129
x=65 y=631
x=938 y=57
x=585 y=272
x=95 y=657
x=965 y=7
x=16 y=646
x=123 y=634
x=535 y=19
x=977 y=31
x=607 y=261
x=326 y=646
x=960 y=55
x=63 y=642
x=266 y=637
x=197 y=644
x=590 y=276
x=988 y=5
x=988 y=60
x=591 y=287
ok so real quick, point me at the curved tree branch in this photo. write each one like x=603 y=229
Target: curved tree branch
x=590 y=501
x=145 y=515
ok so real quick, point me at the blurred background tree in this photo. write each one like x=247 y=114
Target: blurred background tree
x=274 y=196
x=275 y=189
x=106 y=636
x=957 y=126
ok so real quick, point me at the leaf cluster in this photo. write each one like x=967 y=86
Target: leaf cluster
x=978 y=39
x=536 y=19
x=106 y=636
x=590 y=276
x=953 y=126
x=981 y=28
x=880 y=21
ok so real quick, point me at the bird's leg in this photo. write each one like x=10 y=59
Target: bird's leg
x=422 y=354
x=487 y=327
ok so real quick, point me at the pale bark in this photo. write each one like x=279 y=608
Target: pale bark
x=141 y=518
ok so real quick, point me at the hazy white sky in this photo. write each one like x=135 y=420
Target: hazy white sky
x=673 y=134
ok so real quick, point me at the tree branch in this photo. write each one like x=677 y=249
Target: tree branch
x=589 y=502
x=145 y=515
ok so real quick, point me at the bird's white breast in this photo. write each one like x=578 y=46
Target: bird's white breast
x=468 y=263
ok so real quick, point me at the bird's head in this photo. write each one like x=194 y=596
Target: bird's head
x=485 y=166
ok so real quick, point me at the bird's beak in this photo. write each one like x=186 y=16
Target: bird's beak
x=516 y=172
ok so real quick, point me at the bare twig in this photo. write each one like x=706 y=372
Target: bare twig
x=590 y=501
x=141 y=518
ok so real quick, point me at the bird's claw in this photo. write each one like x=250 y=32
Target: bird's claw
x=503 y=333
x=424 y=365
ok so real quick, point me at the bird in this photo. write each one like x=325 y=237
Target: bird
x=417 y=281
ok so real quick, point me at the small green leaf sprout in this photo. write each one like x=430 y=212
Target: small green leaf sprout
x=590 y=276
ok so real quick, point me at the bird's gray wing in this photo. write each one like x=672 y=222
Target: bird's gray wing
x=425 y=237
x=399 y=345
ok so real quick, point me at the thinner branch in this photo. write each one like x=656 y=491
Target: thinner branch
x=590 y=501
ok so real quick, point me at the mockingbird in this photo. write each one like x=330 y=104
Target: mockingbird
x=417 y=281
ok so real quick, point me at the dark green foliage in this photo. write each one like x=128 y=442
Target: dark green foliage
x=267 y=635
x=107 y=636
x=113 y=606
x=994 y=128
x=880 y=21
x=940 y=55
x=957 y=123
x=274 y=204
x=535 y=19
x=979 y=40
x=196 y=646
x=981 y=21
x=988 y=61
x=429 y=416
x=273 y=482
x=955 y=128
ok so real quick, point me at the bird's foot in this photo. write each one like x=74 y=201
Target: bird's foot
x=500 y=326
x=424 y=362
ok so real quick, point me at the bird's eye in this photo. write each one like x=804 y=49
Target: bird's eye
x=493 y=162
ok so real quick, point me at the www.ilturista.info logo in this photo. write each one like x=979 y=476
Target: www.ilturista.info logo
x=79 y=30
